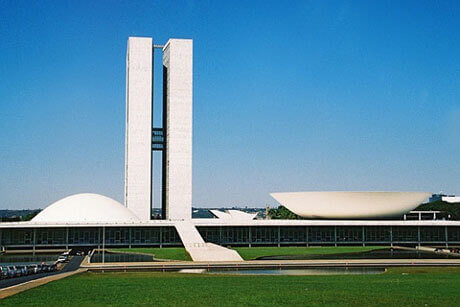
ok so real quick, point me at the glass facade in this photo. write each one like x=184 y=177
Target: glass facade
x=231 y=235
x=321 y=234
x=90 y=236
x=377 y=234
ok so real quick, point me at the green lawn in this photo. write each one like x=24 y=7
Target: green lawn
x=173 y=253
x=397 y=287
x=249 y=253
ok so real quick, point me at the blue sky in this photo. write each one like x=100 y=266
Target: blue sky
x=288 y=96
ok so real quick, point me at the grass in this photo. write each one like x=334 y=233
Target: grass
x=250 y=253
x=397 y=287
x=172 y=253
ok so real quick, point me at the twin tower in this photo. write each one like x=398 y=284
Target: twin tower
x=173 y=139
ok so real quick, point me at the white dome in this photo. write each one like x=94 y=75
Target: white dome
x=86 y=208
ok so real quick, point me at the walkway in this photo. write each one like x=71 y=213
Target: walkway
x=200 y=250
x=281 y=264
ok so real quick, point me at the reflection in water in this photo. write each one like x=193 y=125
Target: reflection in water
x=309 y=271
x=194 y=271
x=387 y=253
x=113 y=257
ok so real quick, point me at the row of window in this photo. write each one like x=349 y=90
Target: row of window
x=306 y=234
x=113 y=235
x=231 y=235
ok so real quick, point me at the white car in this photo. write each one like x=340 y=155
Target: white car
x=62 y=259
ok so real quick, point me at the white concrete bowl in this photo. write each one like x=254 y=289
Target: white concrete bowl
x=350 y=205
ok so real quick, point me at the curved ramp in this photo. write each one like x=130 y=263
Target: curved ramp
x=200 y=250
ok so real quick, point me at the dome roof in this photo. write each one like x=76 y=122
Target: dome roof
x=86 y=208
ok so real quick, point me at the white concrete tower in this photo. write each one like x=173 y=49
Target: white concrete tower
x=138 y=154
x=178 y=122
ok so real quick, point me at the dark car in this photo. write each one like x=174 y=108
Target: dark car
x=13 y=272
x=22 y=269
x=3 y=272
x=35 y=268
x=30 y=269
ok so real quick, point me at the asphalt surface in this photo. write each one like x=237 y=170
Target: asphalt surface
x=72 y=265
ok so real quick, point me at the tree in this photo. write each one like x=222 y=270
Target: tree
x=450 y=208
x=282 y=213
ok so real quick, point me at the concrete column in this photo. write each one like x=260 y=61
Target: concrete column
x=418 y=235
x=103 y=244
x=335 y=236
x=306 y=235
x=249 y=236
x=138 y=151
x=67 y=238
x=279 y=236
x=178 y=109
x=446 y=236
x=391 y=236
x=161 y=237
x=34 y=240
x=130 y=237
x=220 y=234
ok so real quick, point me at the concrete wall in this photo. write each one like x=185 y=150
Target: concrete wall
x=178 y=62
x=138 y=154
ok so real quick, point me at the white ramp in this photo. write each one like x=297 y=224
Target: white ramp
x=200 y=250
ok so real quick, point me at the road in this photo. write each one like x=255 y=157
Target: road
x=72 y=265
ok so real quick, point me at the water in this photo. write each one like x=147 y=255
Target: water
x=373 y=254
x=113 y=257
x=309 y=271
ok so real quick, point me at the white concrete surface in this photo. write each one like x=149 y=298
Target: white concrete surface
x=178 y=60
x=86 y=208
x=198 y=249
x=235 y=215
x=451 y=199
x=138 y=151
x=229 y=222
x=188 y=233
x=350 y=205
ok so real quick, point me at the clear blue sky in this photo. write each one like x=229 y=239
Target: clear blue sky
x=288 y=96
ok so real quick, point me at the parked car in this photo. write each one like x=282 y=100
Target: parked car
x=22 y=269
x=53 y=267
x=62 y=259
x=40 y=268
x=3 y=272
x=34 y=268
x=30 y=269
x=13 y=272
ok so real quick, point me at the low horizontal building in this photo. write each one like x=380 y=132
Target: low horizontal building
x=90 y=220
